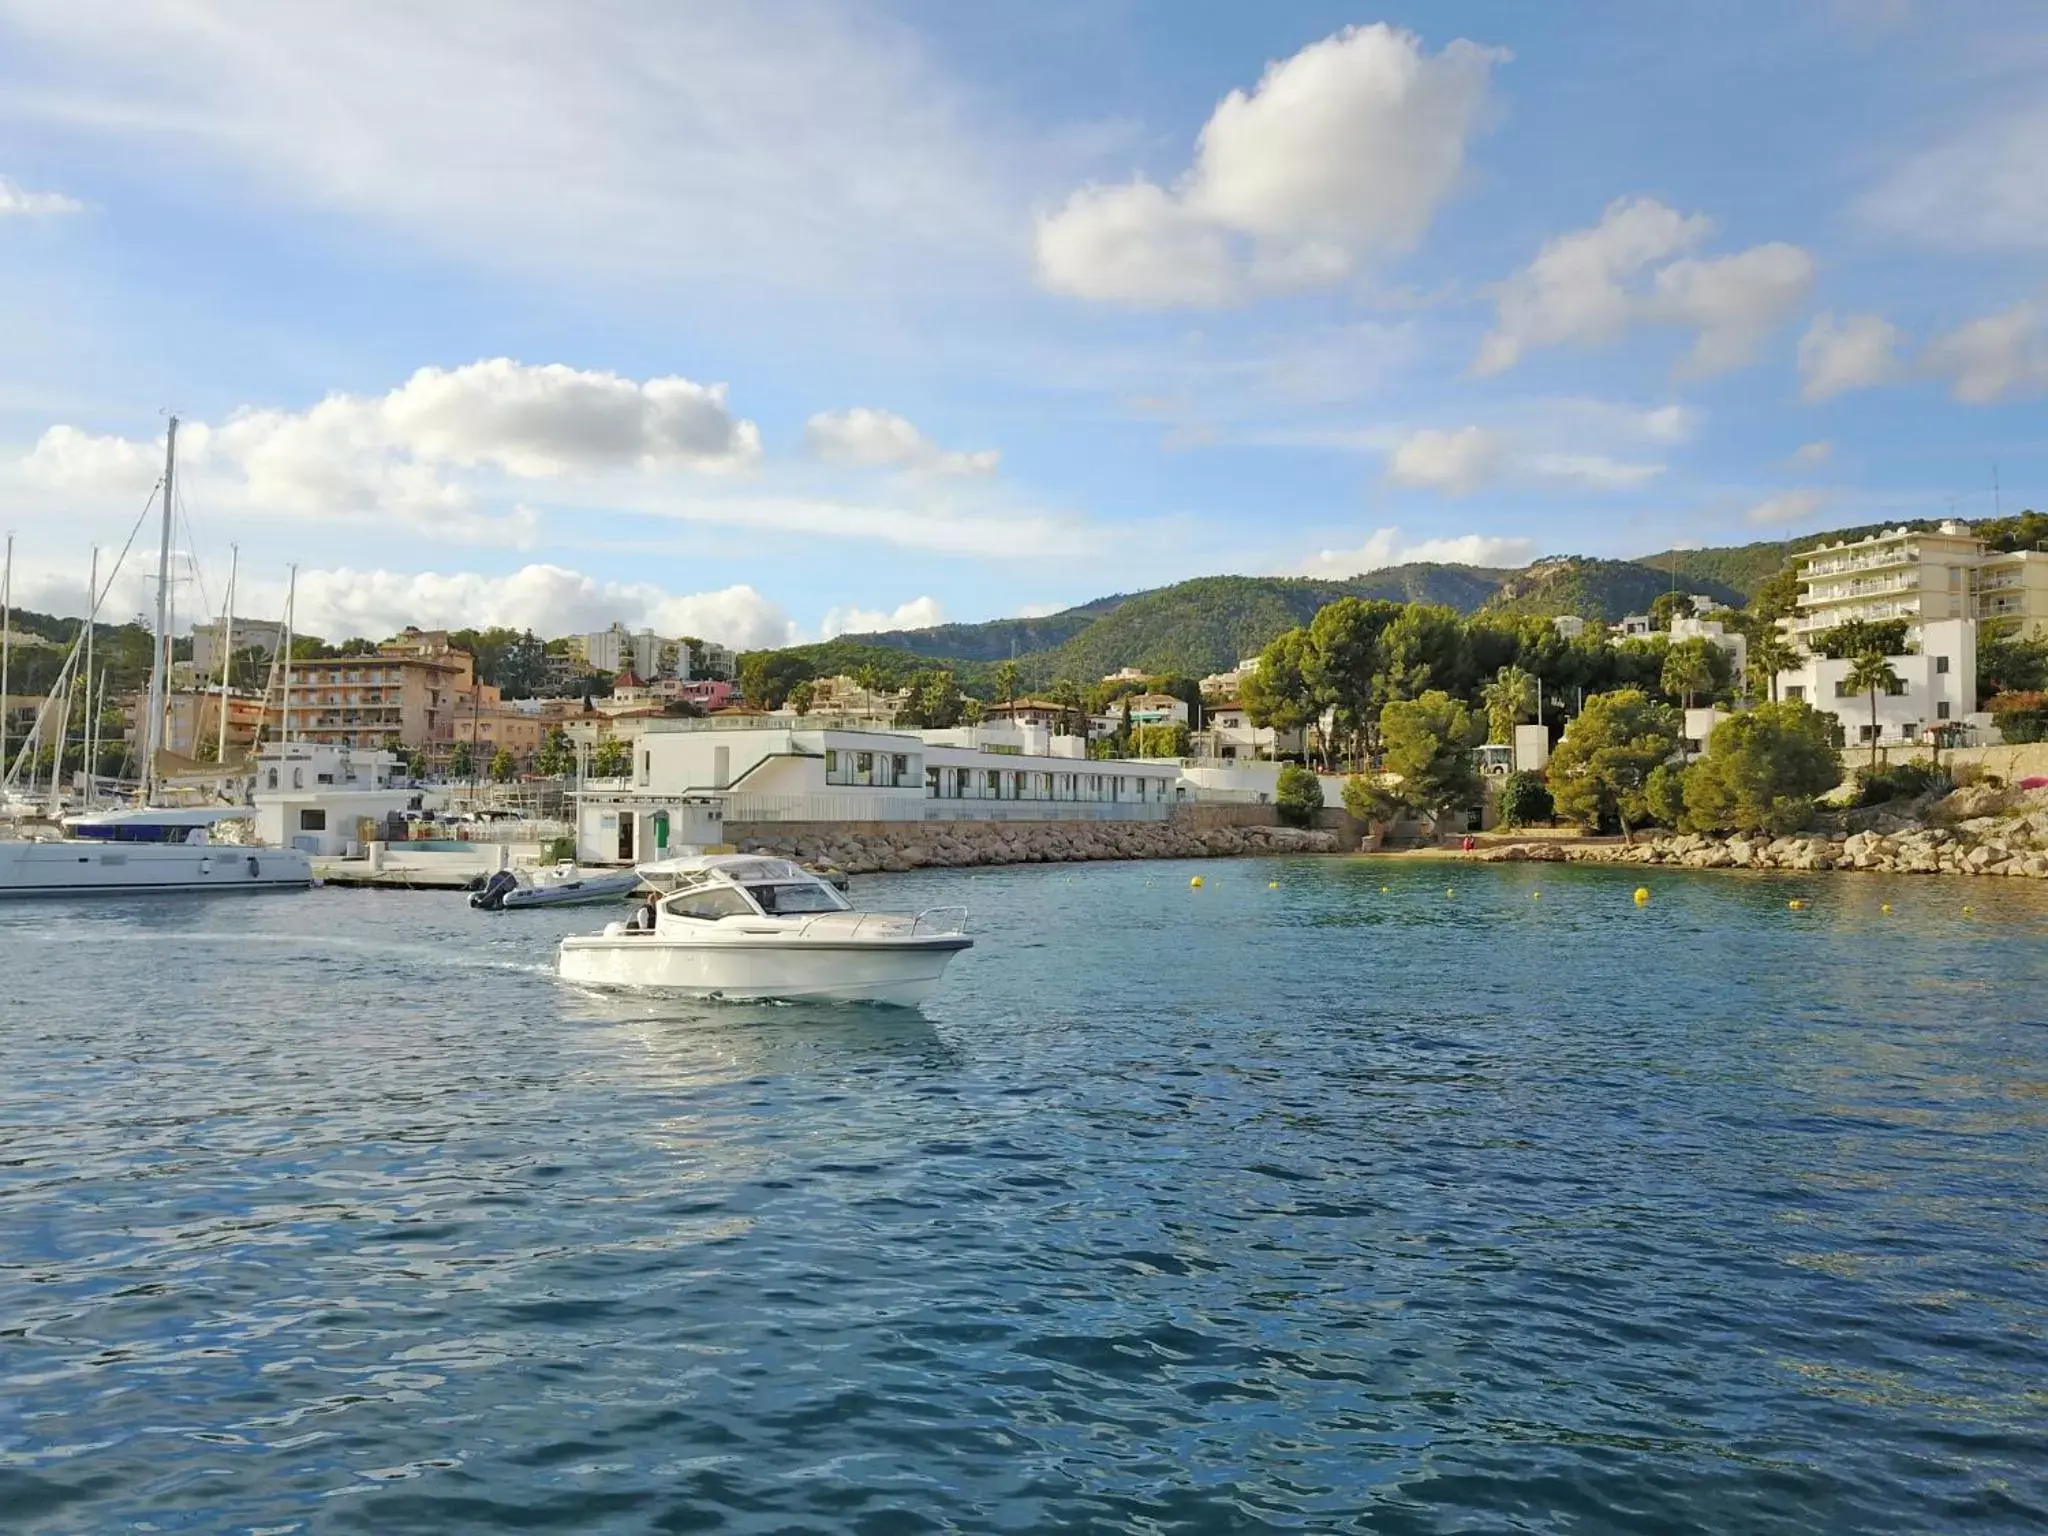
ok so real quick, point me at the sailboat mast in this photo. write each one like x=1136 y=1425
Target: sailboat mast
x=227 y=650
x=92 y=616
x=6 y=644
x=159 y=666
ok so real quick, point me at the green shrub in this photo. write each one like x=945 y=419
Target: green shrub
x=1901 y=781
x=1370 y=801
x=1297 y=796
x=1664 y=793
x=1524 y=800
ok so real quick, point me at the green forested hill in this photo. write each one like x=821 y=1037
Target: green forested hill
x=1599 y=590
x=1206 y=625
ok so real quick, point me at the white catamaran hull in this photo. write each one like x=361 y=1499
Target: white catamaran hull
x=899 y=972
x=92 y=868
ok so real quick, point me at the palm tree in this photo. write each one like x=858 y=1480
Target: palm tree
x=1867 y=674
x=869 y=679
x=1509 y=699
x=1006 y=682
x=1770 y=654
x=1688 y=670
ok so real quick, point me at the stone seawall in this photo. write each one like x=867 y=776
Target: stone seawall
x=868 y=847
x=2010 y=849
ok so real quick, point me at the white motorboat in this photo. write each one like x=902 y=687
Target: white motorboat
x=563 y=885
x=139 y=852
x=740 y=927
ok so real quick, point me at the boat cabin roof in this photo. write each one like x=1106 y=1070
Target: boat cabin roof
x=771 y=887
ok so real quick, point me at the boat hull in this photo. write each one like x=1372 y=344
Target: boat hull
x=84 y=867
x=901 y=973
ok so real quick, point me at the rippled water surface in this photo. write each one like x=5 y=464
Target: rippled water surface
x=1448 y=1206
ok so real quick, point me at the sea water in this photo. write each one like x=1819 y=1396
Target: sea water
x=1331 y=1195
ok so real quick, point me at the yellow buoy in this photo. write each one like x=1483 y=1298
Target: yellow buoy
x=1195 y=884
x=1796 y=904
x=1886 y=909
x=1384 y=889
x=1448 y=891
x=1272 y=885
x=1535 y=895
x=1969 y=911
x=1642 y=895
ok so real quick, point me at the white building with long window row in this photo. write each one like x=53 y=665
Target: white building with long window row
x=691 y=777
x=1937 y=685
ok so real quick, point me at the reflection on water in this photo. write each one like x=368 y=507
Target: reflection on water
x=1397 y=1197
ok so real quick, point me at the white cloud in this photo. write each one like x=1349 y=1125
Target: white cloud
x=1783 y=511
x=1452 y=462
x=1042 y=610
x=1340 y=154
x=1979 y=189
x=865 y=438
x=1732 y=302
x=1670 y=423
x=338 y=602
x=390 y=454
x=1996 y=355
x=1814 y=453
x=1591 y=285
x=1385 y=546
x=797 y=145
x=1855 y=352
x=17 y=202
x=544 y=598
x=1594 y=471
x=918 y=613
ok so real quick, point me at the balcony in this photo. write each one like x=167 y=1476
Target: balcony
x=1875 y=613
x=1875 y=560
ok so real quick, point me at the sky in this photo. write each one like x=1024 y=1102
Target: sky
x=775 y=320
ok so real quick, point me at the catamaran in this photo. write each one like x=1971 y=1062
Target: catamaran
x=147 y=848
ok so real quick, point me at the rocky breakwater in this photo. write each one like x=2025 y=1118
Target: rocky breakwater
x=960 y=844
x=1941 y=840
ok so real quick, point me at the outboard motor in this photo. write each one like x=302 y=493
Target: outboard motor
x=492 y=897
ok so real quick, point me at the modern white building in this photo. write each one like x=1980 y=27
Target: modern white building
x=1225 y=685
x=1569 y=625
x=620 y=649
x=1914 y=575
x=1937 y=685
x=1714 y=632
x=692 y=777
x=1228 y=735
x=321 y=798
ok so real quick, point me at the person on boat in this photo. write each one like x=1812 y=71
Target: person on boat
x=642 y=920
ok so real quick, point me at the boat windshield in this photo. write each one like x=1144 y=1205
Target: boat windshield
x=783 y=899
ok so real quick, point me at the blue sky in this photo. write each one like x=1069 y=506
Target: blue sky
x=779 y=319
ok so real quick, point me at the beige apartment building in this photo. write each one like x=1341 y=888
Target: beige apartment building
x=408 y=694
x=1920 y=576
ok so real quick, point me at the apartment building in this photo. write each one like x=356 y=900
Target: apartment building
x=409 y=693
x=2012 y=590
x=265 y=635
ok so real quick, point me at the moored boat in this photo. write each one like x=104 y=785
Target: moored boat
x=563 y=885
x=739 y=927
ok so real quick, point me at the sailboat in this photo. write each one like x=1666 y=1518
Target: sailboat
x=147 y=848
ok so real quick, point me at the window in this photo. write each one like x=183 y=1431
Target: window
x=793 y=899
x=708 y=905
x=1896 y=690
x=1941 y=710
x=863 y=767
x=901 y=763
x=1795 y=693
x=312 y=821
x=1940 y=664
x=963 y=783
x=994 y=785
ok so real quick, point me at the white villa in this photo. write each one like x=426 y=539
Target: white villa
x=1937 y=684
x=691 y=777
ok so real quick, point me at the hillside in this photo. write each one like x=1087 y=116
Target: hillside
x=1206 y=625
x=1202 y=626
x=1598 y=590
